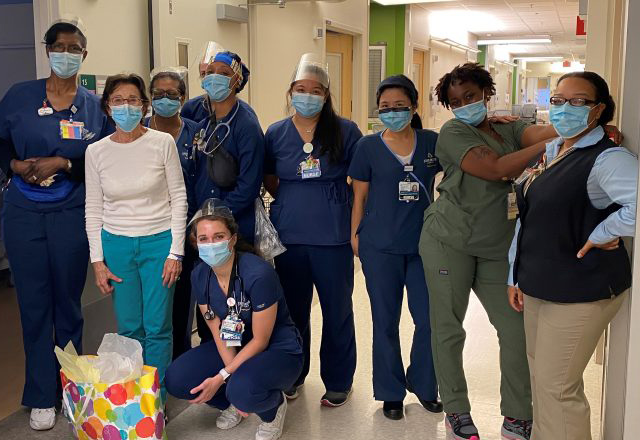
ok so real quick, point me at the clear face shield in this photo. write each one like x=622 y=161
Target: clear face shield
x=207 y=54
x=311 y=67
x=212 y=207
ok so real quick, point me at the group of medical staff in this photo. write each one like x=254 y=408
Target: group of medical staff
x=164 y=208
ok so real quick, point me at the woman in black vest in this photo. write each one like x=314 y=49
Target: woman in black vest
x=569 y=267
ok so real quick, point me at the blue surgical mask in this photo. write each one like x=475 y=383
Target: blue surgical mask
x=396 y=119
x=166 y=107
x=127 y=117
x=214 y=254
x=569 y=121
x=217 y=86
x=65 y=64
x=306 y=104
x=472 y=114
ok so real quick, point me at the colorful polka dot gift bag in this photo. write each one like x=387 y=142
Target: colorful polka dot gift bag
x=129 y=410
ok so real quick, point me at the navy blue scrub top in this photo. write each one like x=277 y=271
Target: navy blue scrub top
x=246 y=144
x=31 y=135
x=185 y=144
x=390 y=225
x=197 y=109
x=262 y=289
x=315 y=211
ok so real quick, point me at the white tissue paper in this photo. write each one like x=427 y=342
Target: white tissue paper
x=119 y=359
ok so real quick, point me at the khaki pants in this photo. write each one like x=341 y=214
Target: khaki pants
x=560 y=341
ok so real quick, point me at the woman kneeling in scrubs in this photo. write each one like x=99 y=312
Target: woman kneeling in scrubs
x=168 y=91
x=256 y=352
x=45 y=127
x=136 y=218
x=571 y=269
x=307 y=157
x=393 y=174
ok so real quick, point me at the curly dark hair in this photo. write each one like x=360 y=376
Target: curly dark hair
x=602 y=93
x=468 y=72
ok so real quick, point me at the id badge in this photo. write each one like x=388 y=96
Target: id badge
x=408 y=191
x=71 y=130
x=231 y=331
x=512 y=205
x=310 y=168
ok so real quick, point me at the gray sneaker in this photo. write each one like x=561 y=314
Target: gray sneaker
x=514 y=429
x=461 y=426
x=334 y=399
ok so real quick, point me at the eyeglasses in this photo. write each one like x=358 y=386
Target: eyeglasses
x=60 y=47
x=160 y=93
x=121 y=101
x=575 y=102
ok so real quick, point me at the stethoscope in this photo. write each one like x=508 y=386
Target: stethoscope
x=209 y=315
x=202 y=146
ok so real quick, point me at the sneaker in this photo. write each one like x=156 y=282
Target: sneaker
x=514 y=429
x=229 y=418
x=42 y=419
x=293 y=392
x=334 y=399
x=461 y=426
x=273 y=430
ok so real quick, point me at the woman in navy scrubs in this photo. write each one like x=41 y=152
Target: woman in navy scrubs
x=393 y=173
x=45 y=127
x=228 y=161
x=168 y=90
x=306 y=171
x=257 y=350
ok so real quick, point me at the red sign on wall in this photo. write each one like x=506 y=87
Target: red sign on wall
x=580 y=27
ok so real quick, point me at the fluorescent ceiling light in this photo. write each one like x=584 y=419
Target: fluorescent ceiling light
x=534 y=59
x=406 y=2
x=443 y=23
x=516 y=41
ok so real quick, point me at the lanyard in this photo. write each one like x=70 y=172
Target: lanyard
x=415 y=146
x=237 y=306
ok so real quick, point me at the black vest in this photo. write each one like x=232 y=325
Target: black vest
x=557 y=218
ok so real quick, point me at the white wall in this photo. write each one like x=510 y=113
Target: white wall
x=117 y=35
x=279 y=36
x=195 y=22
x=419 y=37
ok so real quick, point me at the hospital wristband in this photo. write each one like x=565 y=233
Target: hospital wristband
x=175 y=257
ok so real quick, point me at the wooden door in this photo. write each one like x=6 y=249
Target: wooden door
x=340 y=61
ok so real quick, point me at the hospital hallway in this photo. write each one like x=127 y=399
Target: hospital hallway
x=360 y=419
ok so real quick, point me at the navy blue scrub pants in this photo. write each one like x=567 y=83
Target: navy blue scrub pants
x=386 y=276
x=48 y=254
x=255 y=387
x=184 y=304
x=330 y=269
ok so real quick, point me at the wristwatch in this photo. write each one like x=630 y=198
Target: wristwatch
x=225 y=375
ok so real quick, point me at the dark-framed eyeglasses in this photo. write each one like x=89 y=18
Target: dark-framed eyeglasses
x=75 y=49
x=575 y=102
x=161 y=93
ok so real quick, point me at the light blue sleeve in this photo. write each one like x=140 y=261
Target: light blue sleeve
x=614 y=179
x=513 y=249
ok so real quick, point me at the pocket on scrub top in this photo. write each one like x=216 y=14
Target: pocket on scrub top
x=448 y=223
x=341 y=217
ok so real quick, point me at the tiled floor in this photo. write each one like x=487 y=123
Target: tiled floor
x=362 y=417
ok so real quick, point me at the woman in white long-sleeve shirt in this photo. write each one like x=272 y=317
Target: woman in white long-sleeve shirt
x=136 y=211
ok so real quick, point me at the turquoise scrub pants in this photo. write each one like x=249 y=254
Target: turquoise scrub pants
x=142 y=304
